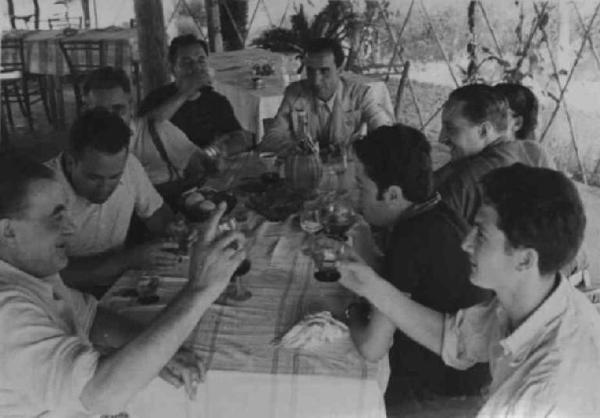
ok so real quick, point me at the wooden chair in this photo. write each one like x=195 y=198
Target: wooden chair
x=18 y=85
x=94 y=53
x=63 y=22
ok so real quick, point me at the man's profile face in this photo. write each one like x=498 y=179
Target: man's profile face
x=322 y=74
x=115 y=100
x=190 y=61
x=492 y=261
x=463 y=137
x=95 y=175
x=373 y=208
x=41 y=229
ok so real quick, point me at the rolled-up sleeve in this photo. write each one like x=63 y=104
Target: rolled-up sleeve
x=39 y=359
x=468 y=335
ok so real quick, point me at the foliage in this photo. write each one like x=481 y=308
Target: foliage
x=337 y=21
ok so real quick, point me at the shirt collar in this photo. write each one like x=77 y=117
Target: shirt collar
x=44 y=286
x=522 y=339
x=330 y=103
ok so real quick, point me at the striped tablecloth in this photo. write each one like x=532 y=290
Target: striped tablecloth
x=233 y=79
x=43 y=54
x=249 y=375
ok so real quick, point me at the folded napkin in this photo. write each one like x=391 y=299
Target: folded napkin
x=314 y=331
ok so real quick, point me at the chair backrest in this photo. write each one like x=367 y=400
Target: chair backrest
x=83 y=56
x=13 y=55
x=62 y=22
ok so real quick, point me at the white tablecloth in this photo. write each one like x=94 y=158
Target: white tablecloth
x=233 y=79
x=248 y=374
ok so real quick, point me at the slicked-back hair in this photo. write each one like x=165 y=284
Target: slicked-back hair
x=99 y=130
x=106 y=78
x=523 y=102
x=17 y=172
x=398 y=155
x=482 y=103
x=320 y=45
x=537 y=208
x=183 y=41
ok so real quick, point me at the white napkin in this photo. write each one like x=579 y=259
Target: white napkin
x=314 y=331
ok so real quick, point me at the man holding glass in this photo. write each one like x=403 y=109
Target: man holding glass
x=540 y=335
x=52 y=361
x=422 y=258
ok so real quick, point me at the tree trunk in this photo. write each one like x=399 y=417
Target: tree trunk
x=152 y=41
x=11 y=13
x=214 y=25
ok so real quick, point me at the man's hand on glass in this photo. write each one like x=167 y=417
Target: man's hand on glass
x=190 y=84
x=215 y=257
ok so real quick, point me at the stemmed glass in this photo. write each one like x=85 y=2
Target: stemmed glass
x=235 y=291
x=326 y=252
x=338 y=217
x=179 y=232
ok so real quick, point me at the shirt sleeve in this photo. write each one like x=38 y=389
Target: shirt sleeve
x=375 y=110
x=147 y=199
x=468 y=335
x=39 y=358
x=85 y=307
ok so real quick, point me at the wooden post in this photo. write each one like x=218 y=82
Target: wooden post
x=213 y=20
x=36 y=14
x=11 y=13
x=564 y=44
x=152 y=41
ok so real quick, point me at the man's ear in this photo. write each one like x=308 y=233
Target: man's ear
x=518 y=123
x=393 y=195
x=487 y=132
x=527 y=258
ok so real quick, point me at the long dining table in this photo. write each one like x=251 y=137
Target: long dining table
x=233 y=78
x=249 y=373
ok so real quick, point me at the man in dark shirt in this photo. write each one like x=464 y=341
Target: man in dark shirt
x=191 y=104
x=423 y=257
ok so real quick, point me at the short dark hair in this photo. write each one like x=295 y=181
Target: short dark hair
x=17 y=172
x=482 y=103
x=398 y=155
x=318 y=45
x=537 y=208
x=100 y=130
x=183 y=41
x=106 y=78
x=523 y=102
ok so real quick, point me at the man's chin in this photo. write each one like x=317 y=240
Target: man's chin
x=98 y=199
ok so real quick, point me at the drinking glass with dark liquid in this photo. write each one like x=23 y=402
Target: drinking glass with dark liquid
x=326 y=252
x=235 y=291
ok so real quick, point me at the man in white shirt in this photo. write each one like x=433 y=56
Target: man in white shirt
x=335 y=106
x=173 y=163
x=540 y=335
x=105 y=185
x=49 y=362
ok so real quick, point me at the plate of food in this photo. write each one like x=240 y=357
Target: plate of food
x=198 y=204
x=277 y=203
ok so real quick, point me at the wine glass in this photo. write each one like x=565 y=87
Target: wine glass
x=326 y=252
x=310 y=218
x=338 y=218
x=236 y=221
x=179 y=232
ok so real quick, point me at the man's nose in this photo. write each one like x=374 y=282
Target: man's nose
x=68 y=227
x=467 y=244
